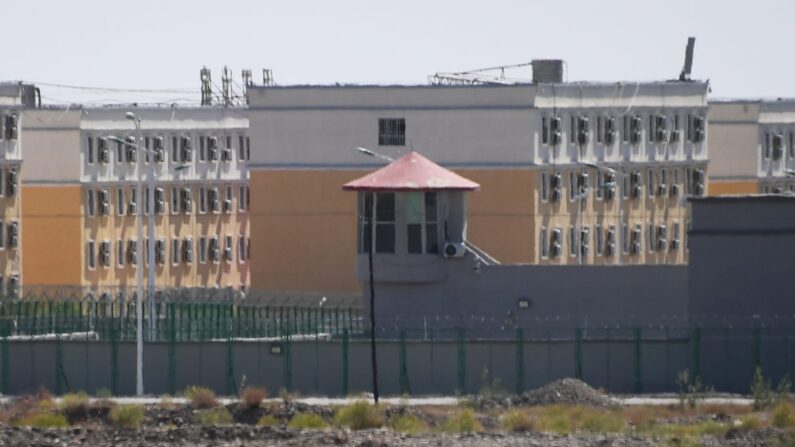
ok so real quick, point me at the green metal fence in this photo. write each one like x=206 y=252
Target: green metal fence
x=175 y=321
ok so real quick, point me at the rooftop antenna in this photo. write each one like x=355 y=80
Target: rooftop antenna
x=267 y=77
x=685 y=74
x=207 y=92
x=247 y=82
x=226 y=86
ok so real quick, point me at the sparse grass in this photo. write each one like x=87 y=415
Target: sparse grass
x=359 y=415
x=201 y=397
x=516 y=421
x=166 y=402
x=462 y=421
x=705 y=428
x=127 y=416
x=307 y=421
x=763 y=392
x=606 y=421
x=44 y=420
x=783 y=415
x=751 y=422
x=213 y=416
x=251 y=398
x=407 y=423
x=75 y=406
x=268 y=420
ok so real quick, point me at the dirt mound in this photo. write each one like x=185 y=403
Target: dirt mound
x=564 y=391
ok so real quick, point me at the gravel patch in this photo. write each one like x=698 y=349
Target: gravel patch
x=564 y=391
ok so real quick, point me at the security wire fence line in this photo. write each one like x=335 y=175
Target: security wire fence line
x=177 y=318
x=416 y=361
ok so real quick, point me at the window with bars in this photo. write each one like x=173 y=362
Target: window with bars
x=391 y=131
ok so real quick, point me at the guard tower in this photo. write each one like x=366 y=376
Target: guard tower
x=412 y=214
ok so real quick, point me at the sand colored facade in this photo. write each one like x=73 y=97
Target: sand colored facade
x=512 y=140
x=85 y=203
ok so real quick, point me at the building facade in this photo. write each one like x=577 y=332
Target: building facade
x=84 y=198
x=13 y=97
x=571 y=173
x=754 y=147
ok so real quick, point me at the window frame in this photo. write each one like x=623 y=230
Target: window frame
x=392 y=131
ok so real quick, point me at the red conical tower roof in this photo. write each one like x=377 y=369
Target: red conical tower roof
x=411 y=172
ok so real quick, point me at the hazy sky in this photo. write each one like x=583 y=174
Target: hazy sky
x=743 y=47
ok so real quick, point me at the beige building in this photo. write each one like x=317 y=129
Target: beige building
x=570 y=173
x=13 y=97
x=753 y=149
x=83 y=201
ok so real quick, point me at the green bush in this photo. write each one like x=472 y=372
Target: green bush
x=75 y=406
x=408 y=423
x=359 y=415
x=127 y=416
x=783 y=416
x=691 y=390
x=462 y=421
x=44 y=420
x=201 y=397
x=268 y=420
x=213 y=416
x=307 y=420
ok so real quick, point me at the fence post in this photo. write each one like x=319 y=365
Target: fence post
x=59 y=371
x=4 y=381
x=578 y=353
x=288 y=363
x=756 y=347
x=637 y=372
x=172 y=354
x=345 y=370
x=114 y=359
x=519 y=361
x=696 y=341
x=462 y=362
x=404 y=373
x=231 y=384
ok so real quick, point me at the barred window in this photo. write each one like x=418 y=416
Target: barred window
x=391 y=132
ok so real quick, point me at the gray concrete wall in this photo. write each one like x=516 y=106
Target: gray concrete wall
x=608 y=359
x=488 y=296
x=741 y=259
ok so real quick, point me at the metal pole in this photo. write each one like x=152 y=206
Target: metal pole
x=150 y=234
x=620 y=224
x=139 y=335
x=372 y=300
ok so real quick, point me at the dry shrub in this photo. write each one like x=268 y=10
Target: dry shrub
x=516 y=421
x=407 y=423
x=201 y=397
x=22 y=406
x=359 y=415
x=75 y=406
x=251 y=397
x=268 y=420
x=127 y=416
x=44 y=420
x=784 y=415
x=462 y=421
x=307 y=420
x=214 y=416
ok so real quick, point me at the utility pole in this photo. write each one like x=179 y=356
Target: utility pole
x=372 y=300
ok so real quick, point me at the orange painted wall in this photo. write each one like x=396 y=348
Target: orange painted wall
x=502 y=214
x=51 y=229
x=721 y=188
x=303 y=226
x=303 y=232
